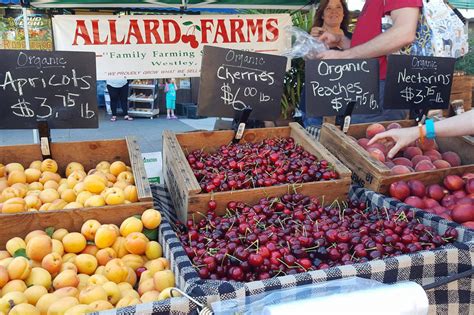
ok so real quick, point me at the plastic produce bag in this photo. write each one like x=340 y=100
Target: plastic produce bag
x=303 y=44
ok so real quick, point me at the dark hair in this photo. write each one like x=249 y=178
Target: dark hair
x=318 y=16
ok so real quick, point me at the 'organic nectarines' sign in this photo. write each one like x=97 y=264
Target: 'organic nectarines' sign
x=164 y=46
x=58 y=87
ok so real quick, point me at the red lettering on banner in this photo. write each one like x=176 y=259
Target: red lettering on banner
x=96 y=33
x=177 y=31
x=221 y=31
x=81 y=31
x=113 y=33
x=236 y=26
x=272 y=28
x=134 y=30
x=151 y=29
x=206 y=26
x=255 y=27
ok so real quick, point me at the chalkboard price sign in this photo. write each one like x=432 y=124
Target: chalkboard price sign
x=332 y=84
x=418 y=82
x=57 y=87
x=232 y=80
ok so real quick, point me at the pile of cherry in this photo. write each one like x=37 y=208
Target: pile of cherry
x=266 y=163
x=294 y=233
x=453 y=200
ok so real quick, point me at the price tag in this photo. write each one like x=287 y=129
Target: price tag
x=57 y=87
x=418 y=82
x=331 y=85
x=233 y=80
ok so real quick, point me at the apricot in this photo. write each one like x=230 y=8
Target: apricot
x=33 y=201
x=61 y=306
x=35 y=186
x=19 y=268
x=117 y=167
x=153 y=250
x=155 y=265
x=14 y=205
x=49 y=165
x=74 y=242
x=151 y=218
x=39 y=276
x=130 y=192
x=424 y=166
x=15 y=244
x=374 y=129
x=74 y=205
x=101 y=306
x=46 y=176
x=45 y=302
x=135 y=243
x=59 y=234
x=38 y=247
x=97 y=279
x=94 y=184
x=52 y=263
x=79 y=309
x=452 y=158
x=146 y=286
x=49 y=195
x=34 y=293
x=4 y=278
x=164 y=279
x=114 y=196
x=119 y=247
x=16 y=177
x=86 y=263
x=94 y=201
x=116 y=271
x=57 y=204
x=103 y=166
x=92 y=293
x=105 y=236
x=73 y=166
x=90 y=249
x=105 y=255
x=89 y=228
x=126 y=176
x=122 y=185
x=14 y=286
x=133 y=261
x=66 y=278
x=150 y=296
x=131 y=225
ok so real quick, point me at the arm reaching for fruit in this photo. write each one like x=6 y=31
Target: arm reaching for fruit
x=460 y=125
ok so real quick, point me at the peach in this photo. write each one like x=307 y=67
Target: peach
x=45 y=302
x=399 y=190
x=411 y=152
x=33 y=201
x=150 y=296
x=46 y=176
x=394 y=125
x=94 y=183
x=133 y=261
x=39 y=276
x=91 y=250
x=126 y=176
x=374 y=129
x=79 y=309
x=86 y=263
x=105 y=255
x=116 y=271
x=439 y=164
x=164 y=279
x=424 y=166
x=453 y=182
x=15 y=244
x=48 y=195
x=49 y=165
x=52 y=263
x=14 y=286
x=418 y=158
x=35 y=186
x=117 y=167
x=452 y=158
x=73 y=166
x=74 y=242
x=19 y=268
x=363 y=142
x=97 y=280
x=131 y=225
x=66 y=278
x=151 y=218
x=376 y=154
x=105 y=236
x=434 y=155
x=60 y=307
x=135 y=243
x=92 y=293
x=114 y=196
x=14 y=205
x=379 y=146
x=101 y=306
x=94 y=201
x=16 y=177
x=4 y=278
x=68 y=195
x=153 y=250
x=428 y=144
x=38 y=247
x=59 y=234
x=402 y=161
x=34 y=293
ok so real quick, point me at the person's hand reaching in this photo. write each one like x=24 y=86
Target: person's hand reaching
x=402 y=137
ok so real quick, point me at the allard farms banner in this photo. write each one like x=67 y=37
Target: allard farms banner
x=155 y=46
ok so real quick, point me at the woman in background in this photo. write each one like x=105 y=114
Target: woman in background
x=170 y=90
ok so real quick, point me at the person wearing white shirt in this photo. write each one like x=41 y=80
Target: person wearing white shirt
x=118 y=91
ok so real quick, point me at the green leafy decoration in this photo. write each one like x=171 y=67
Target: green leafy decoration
x=187 y=23
x=198 y=28
x=151 y=234
x=138 y=216
x=21 y=252
x=49 y=231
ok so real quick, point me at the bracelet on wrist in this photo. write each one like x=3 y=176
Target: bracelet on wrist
x=430 y=130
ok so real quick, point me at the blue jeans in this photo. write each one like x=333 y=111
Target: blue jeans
x=389 y=114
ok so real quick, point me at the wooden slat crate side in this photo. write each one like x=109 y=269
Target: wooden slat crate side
x=209 y=141
x=333 y=190
x=463 y=146
x=89 y=153
x=138 y=168
x=20 y=224
x=314 y=147
x=23 y=154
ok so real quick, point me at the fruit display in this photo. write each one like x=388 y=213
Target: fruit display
x=417 y=157
x=452 y=200
x=40 y=187
x=265 y=163
x=102 y=267
x=295 y=233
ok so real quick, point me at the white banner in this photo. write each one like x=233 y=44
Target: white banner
x=165 y=46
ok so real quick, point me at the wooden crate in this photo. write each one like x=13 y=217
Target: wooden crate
x=461 y=90
x=373 y=174
x=89 y=153
x=185 y=190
